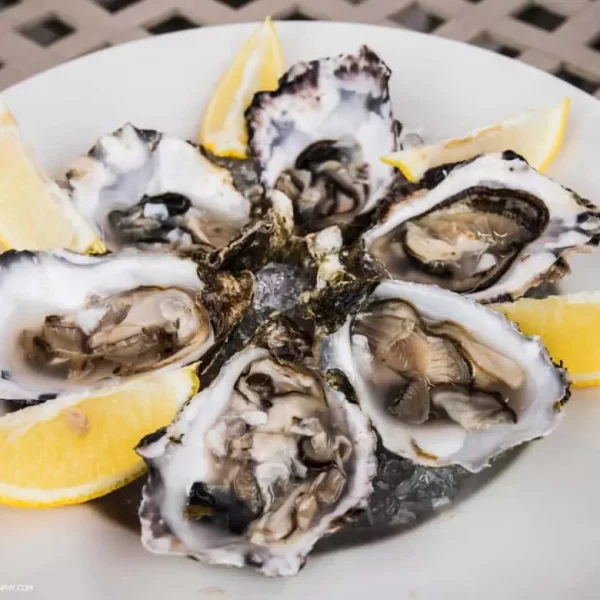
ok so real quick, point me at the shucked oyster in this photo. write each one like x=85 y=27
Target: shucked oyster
x=490 y=228
x=73 y=323
x=320 y=135
x=144 y=188
x=443 y=379
x=260 y=464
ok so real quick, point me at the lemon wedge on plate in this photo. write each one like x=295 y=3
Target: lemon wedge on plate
x=70 y=450
x=536 y=135
x=257 y=66
x=35 y=214
x=568 y=325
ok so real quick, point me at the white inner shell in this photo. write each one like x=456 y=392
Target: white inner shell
x=61 y=282
x=562 y=232
x=182 y=464
x=336 y=109
x=534 y=403
x=130 y=169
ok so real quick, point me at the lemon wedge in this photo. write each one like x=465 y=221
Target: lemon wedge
x=70 y=450
x=257 y=66
x=568 y=325
x=536 y=135
x=35 y=214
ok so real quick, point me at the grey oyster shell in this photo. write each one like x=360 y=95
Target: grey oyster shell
x=146 y=189
x=266 y=460
x=443 y=379
x=75 y=324
x=490 y=228
x=269 y=236
x=319 y=137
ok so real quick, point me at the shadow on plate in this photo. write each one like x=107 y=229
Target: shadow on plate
x=405 y=496
x=121 y=506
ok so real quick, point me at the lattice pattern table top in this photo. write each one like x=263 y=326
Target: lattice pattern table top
x=559 y=36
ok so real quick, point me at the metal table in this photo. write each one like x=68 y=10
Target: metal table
x=559 y=36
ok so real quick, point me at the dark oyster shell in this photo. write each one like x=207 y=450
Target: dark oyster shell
x=334 y=176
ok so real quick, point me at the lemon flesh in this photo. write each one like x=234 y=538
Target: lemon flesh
x=257 y=66
x=536 y=135
x=73 y=449
x=568 y=326
x=35 y=214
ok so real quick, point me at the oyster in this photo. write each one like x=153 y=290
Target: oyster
x=73 y=323
x=443 y=379
x=147 y=189
x=266 y=238
x=261 y=464
x=489 y=228
x=319 y=137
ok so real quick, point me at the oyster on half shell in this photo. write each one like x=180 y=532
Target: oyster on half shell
x=319 y=137
x=262 y=463
x=72 y=323
x=147 y=189
x=443 y=379
x=490 y=228
x=141 y=186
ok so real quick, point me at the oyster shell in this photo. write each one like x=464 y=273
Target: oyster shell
x=268 y=237
x=146 y=189
x=443 y=379
x=261 y=464
x=489 y=228
x=73 y=323
x=319 y=137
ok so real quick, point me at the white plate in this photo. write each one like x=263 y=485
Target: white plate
x=534 y=532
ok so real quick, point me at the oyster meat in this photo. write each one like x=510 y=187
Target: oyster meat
x=319 y=137
x=143 y=187
x=443 y=379
x=490 y=228
x=73 y=323
x=262 y=463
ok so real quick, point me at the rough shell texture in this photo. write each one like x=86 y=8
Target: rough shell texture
x=146 y=189
x=492 y=219
x=238 y=532
x=267 y=237
x=536 y=401
x=342 y=100
x=70 y=310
